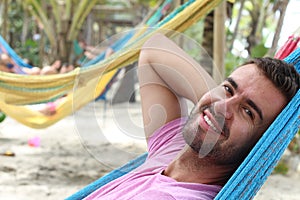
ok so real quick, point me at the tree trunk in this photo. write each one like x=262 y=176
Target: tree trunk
x=41 y=48
x=89 y=29
x=4 y=28
x=219 y=43
x=251 y=39
x=207 y=44
x=25 y=27
x=261 y=20
x=282 y=8
x=236 y=28
x=62 y=39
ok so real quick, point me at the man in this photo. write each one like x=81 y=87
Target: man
x=193 y=158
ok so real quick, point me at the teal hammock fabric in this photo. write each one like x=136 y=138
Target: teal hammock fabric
x=257 y=166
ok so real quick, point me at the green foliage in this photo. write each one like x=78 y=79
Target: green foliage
x=151 y=3
x=296 y=148
x=281 y=168
x=259 y=50
x=2 y=116
x=232 y=62
x=294 y=145
x=196 y=31
x=117 y=3
x=30 y=51
x=15 y=16
x=229 y=34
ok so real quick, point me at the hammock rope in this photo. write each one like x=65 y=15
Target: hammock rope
x=259 y=164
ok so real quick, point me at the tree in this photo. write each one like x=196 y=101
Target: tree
x=209 y=37
x=281 y=6
x=242 y=3
x=4 y=29
x=254 y=19
x=61 y=22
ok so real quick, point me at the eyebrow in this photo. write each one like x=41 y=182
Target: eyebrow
x=249 y=101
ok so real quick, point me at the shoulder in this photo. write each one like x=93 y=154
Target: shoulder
x=167 y=137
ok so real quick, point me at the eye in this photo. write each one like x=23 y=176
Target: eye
x=249 y=113
x=228 y=90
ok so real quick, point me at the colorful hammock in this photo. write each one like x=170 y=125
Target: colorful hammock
x=257 y=166
x=18 y=90
x=5 y=48
x=18 y=63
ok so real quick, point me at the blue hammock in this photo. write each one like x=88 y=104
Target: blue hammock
x=257 y=166
x=19 y=61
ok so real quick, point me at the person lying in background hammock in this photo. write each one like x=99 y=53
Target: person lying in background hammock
x=4 y=67
x=7 y=65
x=55 y=68
x=50 y=107
x=193 y=157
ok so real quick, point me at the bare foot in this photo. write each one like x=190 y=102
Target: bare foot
x=48 y=70
x=63 y=69
x=56 y=65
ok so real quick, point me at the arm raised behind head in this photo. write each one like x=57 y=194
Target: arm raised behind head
x=167 y=75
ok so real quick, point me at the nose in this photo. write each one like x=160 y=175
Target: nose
x=224 y=107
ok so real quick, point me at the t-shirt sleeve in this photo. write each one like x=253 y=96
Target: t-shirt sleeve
x=167 y=138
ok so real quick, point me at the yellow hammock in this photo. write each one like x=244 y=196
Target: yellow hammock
x=87 y=82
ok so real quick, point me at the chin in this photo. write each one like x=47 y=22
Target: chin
x=191 y=132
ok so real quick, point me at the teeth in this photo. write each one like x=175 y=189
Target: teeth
x=210 y=123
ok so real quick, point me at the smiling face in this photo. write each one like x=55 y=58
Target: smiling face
x=229 y=120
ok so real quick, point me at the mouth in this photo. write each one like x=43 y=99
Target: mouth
x=210 y=122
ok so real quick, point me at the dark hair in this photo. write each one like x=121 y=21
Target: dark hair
x=283 y=75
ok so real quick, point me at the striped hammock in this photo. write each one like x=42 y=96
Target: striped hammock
x=19 y=90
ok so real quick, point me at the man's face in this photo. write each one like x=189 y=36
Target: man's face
x=229 y=120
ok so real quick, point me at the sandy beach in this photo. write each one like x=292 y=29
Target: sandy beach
x=81 y=148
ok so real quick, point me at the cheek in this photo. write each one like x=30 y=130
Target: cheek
x=240 y=131
x=244 y=130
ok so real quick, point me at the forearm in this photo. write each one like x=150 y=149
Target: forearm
x=180 y=72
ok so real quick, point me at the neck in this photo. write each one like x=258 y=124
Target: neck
x=188 y=167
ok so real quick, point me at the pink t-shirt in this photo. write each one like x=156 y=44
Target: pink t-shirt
x=147 y=183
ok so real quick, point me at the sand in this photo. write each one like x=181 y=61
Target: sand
x=81 y=148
